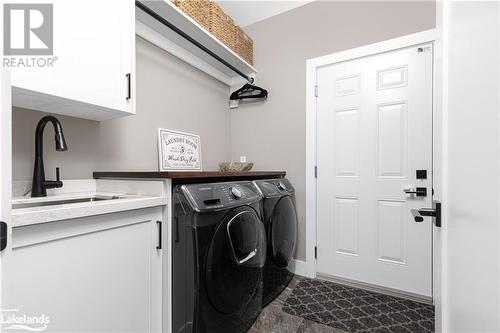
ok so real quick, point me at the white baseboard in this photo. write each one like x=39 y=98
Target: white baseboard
x=298 y=267
x=376 y=288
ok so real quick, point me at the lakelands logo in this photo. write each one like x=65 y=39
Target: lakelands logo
x=28 y=35
x=12 y=319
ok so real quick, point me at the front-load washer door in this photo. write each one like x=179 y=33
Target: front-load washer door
x=234 y=260
x=282 y=232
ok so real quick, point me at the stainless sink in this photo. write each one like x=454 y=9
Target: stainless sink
x=64 y=201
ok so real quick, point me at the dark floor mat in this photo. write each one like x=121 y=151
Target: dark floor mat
x=357 y=310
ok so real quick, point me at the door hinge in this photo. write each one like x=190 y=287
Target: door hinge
x=316 y=90
x=315 y=252
x=315 y=171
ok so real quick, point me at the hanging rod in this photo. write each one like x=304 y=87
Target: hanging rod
x=181 y=33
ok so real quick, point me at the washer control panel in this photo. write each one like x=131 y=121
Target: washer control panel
x=220 y=195
x=235 y=193
x=238 y=192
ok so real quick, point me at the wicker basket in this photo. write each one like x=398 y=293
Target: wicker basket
x=243 y=45
x=198 y=10
x=221 y=25
x=211 y=16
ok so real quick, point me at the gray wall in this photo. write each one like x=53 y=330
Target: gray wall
x=82 y=137
x=173 y=95
x=170 y=94
x=272 y=134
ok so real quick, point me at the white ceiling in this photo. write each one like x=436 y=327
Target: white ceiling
x=246 y=12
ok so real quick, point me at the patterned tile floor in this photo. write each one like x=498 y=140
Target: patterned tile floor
x=274 y=320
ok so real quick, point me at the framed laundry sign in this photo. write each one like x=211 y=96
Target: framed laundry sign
x=178 y=151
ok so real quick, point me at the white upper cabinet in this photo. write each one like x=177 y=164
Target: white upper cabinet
x=93 y=70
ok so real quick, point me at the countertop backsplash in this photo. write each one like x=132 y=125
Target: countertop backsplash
x=22 y=188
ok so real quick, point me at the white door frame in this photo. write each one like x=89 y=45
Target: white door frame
x=311 y=68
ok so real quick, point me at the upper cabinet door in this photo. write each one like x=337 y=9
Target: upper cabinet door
x=91 y=71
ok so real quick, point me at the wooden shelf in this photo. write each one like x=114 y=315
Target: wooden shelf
x=155 y=32
x=186 y=177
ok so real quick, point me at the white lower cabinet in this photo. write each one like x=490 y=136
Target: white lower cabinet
x=93 y=274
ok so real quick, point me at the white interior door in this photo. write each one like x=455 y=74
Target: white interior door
x=374 y=131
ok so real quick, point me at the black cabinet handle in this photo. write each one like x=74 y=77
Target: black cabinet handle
x=3 y=236
x=129 y=87
x=158 y=223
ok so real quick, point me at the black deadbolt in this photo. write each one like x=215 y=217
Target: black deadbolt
x=421 y=174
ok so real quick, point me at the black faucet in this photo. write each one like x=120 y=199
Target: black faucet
x=40 y=185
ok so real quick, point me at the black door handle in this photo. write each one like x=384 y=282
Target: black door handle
x=419 y=191
x=419 y=214
x=434 y=212
x=3 y=236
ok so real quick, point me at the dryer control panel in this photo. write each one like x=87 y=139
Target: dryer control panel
x=275 y=187
x=204 y=197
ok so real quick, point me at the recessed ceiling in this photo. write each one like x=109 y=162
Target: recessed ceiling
x=248 y=12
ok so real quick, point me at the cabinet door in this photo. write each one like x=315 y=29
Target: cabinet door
x=93 y=55
x=5 y=171
x=95 y=274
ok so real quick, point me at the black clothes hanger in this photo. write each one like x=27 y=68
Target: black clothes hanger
x=248 y=91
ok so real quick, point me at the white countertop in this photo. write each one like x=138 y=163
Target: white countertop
x=57 y=212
